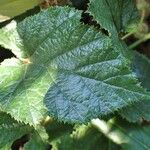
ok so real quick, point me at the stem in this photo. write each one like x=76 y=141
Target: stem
x=141 y=21
x=25 y=60
x=100 y=125
x=105 y=128
x=47 y=120
x=127 y=35
x=142 y=16
x=135 y=44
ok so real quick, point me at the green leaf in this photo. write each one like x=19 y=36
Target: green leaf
x=10 y=39
x=11 y=130
x=141 y=67
x=139 y=110
x=84 y=138
x=11 y=8
x=56 y=129
x=128 y=136
x=76 y=63
x=113 y=15
x=35 y=143
x=114 y=23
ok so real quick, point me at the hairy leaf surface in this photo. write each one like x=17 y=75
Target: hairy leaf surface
x=85 y=75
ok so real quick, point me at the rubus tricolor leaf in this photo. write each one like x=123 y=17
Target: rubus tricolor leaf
x=81 y=73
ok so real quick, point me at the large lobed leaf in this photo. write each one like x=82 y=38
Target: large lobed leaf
x=85 y=75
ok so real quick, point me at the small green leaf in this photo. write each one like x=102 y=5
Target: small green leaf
x=139 y=110
x=113 y=15
x=10 y=130
x=128 y=136
x=11 y=8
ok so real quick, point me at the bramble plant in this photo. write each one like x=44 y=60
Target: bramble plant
x=74 y=82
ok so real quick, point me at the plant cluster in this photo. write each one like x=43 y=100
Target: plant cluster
x=73 y=81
